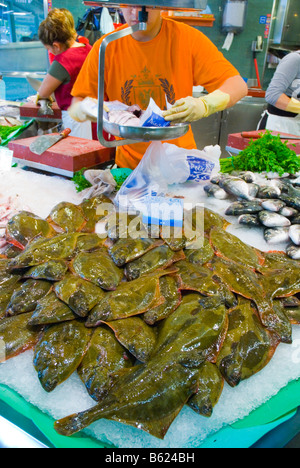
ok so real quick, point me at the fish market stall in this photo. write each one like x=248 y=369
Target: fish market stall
x=244 y=412
x=123 y=325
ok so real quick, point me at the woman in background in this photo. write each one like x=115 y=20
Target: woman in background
x=57 y=33
x=80 y=39
x=283 y=98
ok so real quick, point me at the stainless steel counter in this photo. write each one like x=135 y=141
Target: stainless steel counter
x=214 y=130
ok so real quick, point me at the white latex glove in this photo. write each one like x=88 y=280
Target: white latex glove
x=79 y=111
x=191 y=109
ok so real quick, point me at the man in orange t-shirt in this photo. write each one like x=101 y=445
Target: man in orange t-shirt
x=167 y=60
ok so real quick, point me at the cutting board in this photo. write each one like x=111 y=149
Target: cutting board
x=236 y=142
x=66 y=157
x=30 y=110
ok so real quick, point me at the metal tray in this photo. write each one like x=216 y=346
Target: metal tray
x=146 y=134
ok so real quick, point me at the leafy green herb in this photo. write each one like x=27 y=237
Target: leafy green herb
x=80 y=181
x=266 y=154
x=120 y=181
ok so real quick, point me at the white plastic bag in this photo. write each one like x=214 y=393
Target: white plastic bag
x=165 y=164
x=106 y=22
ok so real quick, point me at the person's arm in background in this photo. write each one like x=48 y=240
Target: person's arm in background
x=287 y=71
x=56 y=75
x=191 y=109
x=86 y=85
x=48 y=86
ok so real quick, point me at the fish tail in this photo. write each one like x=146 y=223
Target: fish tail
x=79 y=421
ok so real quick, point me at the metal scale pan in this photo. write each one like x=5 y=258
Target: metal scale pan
x=146 y=134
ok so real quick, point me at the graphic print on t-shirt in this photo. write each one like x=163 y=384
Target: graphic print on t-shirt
x=140 y=88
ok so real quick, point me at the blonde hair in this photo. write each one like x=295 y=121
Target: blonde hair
x=59 y=27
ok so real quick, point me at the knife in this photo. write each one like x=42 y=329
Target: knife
x=258 y=134
x=43 y=143
x=36 y=84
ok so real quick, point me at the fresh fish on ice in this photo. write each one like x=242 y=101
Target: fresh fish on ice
x=292 y=200
x=215 y=191
x=249 y=220
x=269 y=192
x=288 y=212
x=269 y=219
x=236 y=187
x=273 y=205
x=244 y=207
x=248 y=177
x=277 y=235
x=296 y=219
x=216 y=179
x=294 y=232
x=296 y=182
x=293 y=252
x=253 y=190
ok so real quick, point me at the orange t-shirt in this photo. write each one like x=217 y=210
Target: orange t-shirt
x=169 y=65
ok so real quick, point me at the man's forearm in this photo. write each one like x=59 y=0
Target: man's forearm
x=236 y=88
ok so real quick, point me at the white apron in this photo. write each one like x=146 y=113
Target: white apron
x=78 y=129
x=277 y=123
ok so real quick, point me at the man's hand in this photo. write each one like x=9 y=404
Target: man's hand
x=191 y=109
x=79 y=110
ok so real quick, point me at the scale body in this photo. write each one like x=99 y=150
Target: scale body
x=130 y=135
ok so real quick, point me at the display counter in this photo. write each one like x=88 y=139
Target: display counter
x=243 y=415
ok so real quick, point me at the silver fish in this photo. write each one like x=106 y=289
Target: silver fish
x=45 y=107
x=216 y=179
x=236 y=187
x=295 y=234
x=277 y=235
x=249 y=220
x=296 y=182
x=248 y=177
x=269 y=192
x=244 y=207
x=293 y=252
x=253 y=190
x=296 y=219
x=215 y=191
x=288 y=212
x=273 y=205
x=269 y=219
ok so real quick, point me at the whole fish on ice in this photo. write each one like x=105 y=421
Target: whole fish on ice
x=273 y=205
x=236 y=187
x=277 y=235
x=294 y=232
x=269 y=219
x=293 y=252
x=215 y=191
x=249 y=220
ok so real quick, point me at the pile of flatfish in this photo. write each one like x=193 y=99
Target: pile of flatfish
x=149 y=324
x=273 y=206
